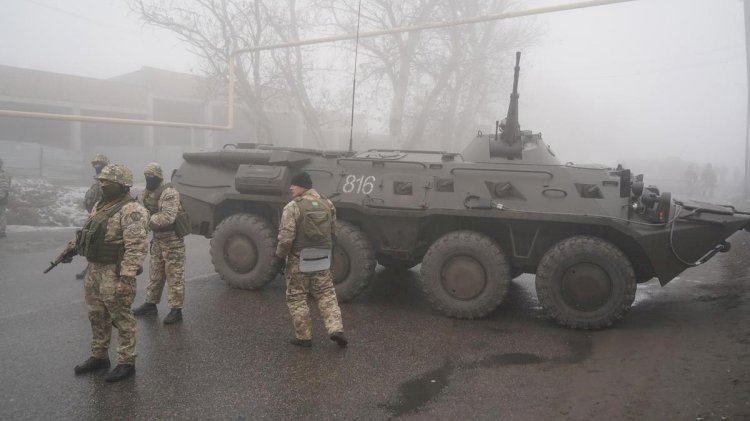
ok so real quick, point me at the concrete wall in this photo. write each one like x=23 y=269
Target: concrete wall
x=64 y=166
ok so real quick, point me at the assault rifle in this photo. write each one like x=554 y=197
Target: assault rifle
x=65 y=257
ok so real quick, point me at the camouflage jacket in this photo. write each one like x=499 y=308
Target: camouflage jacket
x=4 y=187
x=93 y=195
x=288 y=226
x=128 y=227
x=168 y=207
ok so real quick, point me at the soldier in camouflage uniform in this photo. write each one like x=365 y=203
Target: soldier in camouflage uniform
x=4 y=195
x=114 y=242
x=169 y=224
x=307 y=206
x=94 y=193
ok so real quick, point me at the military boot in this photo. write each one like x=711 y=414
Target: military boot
x=92 y=364
x=146 y=309
x=174 y=316
x=339 y=338
x=121 y=372
x=304 y=343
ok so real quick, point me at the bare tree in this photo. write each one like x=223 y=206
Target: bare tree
x=215 y=28
x=439 y=80
x=428 y=87
x=391 y=56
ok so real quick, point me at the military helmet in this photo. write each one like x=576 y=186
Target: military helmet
x=100 y=159
x=117 y=173
x=153 y=169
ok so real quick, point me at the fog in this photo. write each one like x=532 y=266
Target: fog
x=633 y=82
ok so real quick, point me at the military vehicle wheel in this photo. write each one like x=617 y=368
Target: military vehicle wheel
x=353 y=261
x=242 y=251
x=585 y=283
x=465 y=274
x=390 y=263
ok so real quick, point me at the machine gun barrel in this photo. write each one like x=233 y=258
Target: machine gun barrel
x=512 y=131
x=510 y=145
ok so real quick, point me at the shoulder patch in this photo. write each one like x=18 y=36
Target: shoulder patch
x=315 y=203
x=136 y=216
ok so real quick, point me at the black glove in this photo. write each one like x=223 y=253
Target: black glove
x=139 y=271
x=281 y=264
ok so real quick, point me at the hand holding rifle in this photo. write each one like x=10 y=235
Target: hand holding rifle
x=65 y=257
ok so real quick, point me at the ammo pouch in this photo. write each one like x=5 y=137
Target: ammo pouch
x=90 y=242
x=182 y=224
x=314 y=260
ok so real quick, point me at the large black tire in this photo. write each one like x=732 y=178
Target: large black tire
x=243 y=251
x=392 y=264
x=585 y=283
x=465 y=274
x=353 y=261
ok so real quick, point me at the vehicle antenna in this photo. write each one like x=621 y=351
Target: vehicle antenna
x=354 y=78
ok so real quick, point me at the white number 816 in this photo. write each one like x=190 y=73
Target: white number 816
x=361 y=184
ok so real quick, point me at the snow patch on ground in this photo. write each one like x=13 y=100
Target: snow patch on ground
x=36 y=202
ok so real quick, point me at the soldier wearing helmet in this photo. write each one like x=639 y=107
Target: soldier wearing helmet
x=114 y=242
x=94 y=193
x=169 y=224
x=4 y=195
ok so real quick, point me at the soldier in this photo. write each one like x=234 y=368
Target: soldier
x=4 y=196
x=306 y=232
x=167 y=263
x=94 y=193
x=114 y=241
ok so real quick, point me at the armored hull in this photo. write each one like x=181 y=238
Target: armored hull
x=473 y=223
x=474 y=220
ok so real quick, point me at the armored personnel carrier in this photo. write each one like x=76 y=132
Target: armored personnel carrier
x=474 y=220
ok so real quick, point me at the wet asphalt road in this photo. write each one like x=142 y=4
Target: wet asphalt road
x=682 y=353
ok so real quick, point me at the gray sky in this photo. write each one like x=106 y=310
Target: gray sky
x=660 y=77
x=650 y=78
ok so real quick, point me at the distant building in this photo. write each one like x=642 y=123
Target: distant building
x=147 y=94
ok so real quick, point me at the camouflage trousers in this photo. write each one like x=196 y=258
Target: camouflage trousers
x=109 y=297
x=167 y=264
x=320 y=286
x=3 y=220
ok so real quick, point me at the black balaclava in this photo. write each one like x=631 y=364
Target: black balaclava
x=112 y=191
x=152 y=183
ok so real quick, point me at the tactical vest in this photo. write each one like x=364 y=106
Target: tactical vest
x=181 y=224
x=90 y=243
x=314 y=224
